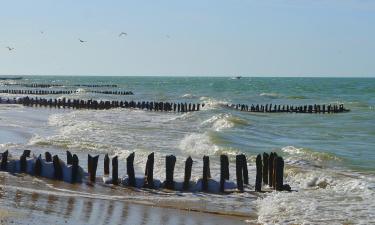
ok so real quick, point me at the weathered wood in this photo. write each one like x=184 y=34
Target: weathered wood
x=170 y=162
x=258 y=179
x=245 y=171
x=274 y=171
x=38 y=166
x=69 y=158
x=4 y=160
x=48 y=157
x=279 y=173
x=130 y=169
x=224 y=171
x=115 y=170
x=58 y=172
x=75 y=166
x=92 y=166
x=23 y=163
x=206 y=173
x=239 y=173
x=26 y=153
x=265 y=168
x=149 y=172
x=188 y=167
x=270 y=169
x=106 y=165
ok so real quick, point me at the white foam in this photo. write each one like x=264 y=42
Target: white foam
x=198 y=144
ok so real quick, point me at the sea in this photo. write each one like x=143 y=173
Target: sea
x=329 y=158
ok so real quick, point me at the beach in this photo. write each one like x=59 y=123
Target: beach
x=329 y=158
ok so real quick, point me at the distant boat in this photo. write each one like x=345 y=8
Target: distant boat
x=237 y=77
x=11 y=78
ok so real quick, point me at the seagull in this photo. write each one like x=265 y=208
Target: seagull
x=9 y=48
x=82 y=41
x=123 y=34
x=42 y=32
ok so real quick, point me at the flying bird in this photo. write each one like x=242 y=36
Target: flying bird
x=123 y=34
x=82 y=41
x=9 y=48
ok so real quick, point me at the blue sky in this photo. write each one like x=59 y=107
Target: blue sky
x=206 y=37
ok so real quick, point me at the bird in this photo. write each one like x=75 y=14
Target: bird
x=82 y=41
x=9 y=48
x=42 y=32
x=123 y=34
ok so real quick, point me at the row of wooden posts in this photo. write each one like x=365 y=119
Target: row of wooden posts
x=36 y=85
x=93 y=104
x=273 y=108
x=59 y=92
x=269 y=170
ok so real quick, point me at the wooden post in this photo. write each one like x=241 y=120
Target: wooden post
x=274 y=171
x=149 y=172
x=245 y=171
x=75 y=165
x=26 y=153
x=170 y=161
x=57 y=168
x=258 y=179
x=69 y=158
x=206 y=173
x=224 y=171
x=239 y=174
x=279 y=173
x=265 y=168
x=48 y=157
x=38 y=166
x=115 y=170
x=188 y=167
x=92 y=166
x=4 y=160
x=270 y=169
x=23 y=163
x=106 y=165
x=130 y=169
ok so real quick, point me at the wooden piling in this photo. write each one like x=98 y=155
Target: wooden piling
x=4 y=160
x=265 y=168
x=130 y=169
x=258 y=179
x=206 y=173
x=106 y=165
x=23 y=163
x=149 y=171
x=170 y=161
x=75 y=166
x=48 y=157
x=270 y=169
x=92 y=166
x=244 y=168
x=58 y=172
x=26 y=153
x=115 y=170
x=188 y=167
x=38 y=166
x=279 y=173
x=239 y=173
x=224 y=171
x=69 y=158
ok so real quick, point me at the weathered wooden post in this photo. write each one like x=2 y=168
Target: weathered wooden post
x=270 y=169
x=75 y=165
x=26 y=153
x=279 y=173
x=170 y=161
x=4 y=160
x=48 y=157
x=106 y=165
x=58 y=172
x=224 y=171
x=38 y=166
x=258 y=179
x=244 y=168
x=130 y=169
x=206 y=173
x=274 y=171
x=149 y=172
x=92 y=166
x=265 y=168
x=239 y=174
x=23 y=163
x=69 y=158
x=188 y=167
x=115 y=170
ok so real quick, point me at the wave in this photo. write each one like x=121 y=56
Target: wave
x=211 y=103
x=308 y=154
x=223 y=121
x=296 y=97
x=188 y=96
x=270 y=95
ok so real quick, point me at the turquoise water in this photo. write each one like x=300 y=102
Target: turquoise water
x=330 y=158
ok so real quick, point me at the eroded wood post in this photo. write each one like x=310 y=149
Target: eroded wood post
x=239 y=175
x=245 y=171
x=75 y=165
x=92 y=166
x=106 y=165
x=130 y=169
x=265 y=168
x=188 y=167
x=258 y=179
x=58 y=173
x=38 y=166
x=149 y=172
x=224 y=171
x=48 y=157
x=115 y=170
x=4 y=160
x=69 y=158
x=270 y=169
x=206 y=173
x=279 y=173
x=170 y=161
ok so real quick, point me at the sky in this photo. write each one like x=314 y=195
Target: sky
x=188 y=38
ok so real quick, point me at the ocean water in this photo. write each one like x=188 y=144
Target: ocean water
x=330 y=158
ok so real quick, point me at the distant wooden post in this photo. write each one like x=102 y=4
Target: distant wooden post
x=170 y=162
x=106 y=165
x=69 y=158
x=4 y=160
x=58 y=172
x=206 y=173
x=38 y=166
x=48 y=157
x=279 y=173
x=239 y=174
x=115 y=170
x=92 y=166
x=75 y=165
x=258 y=179
x=149 y=172
x=130 y=169
x=188 y=167
x=224 y=171
x=265 y=167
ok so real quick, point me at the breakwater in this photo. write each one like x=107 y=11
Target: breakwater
x=37 y=85
x=60 y=92
x=275 y=108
